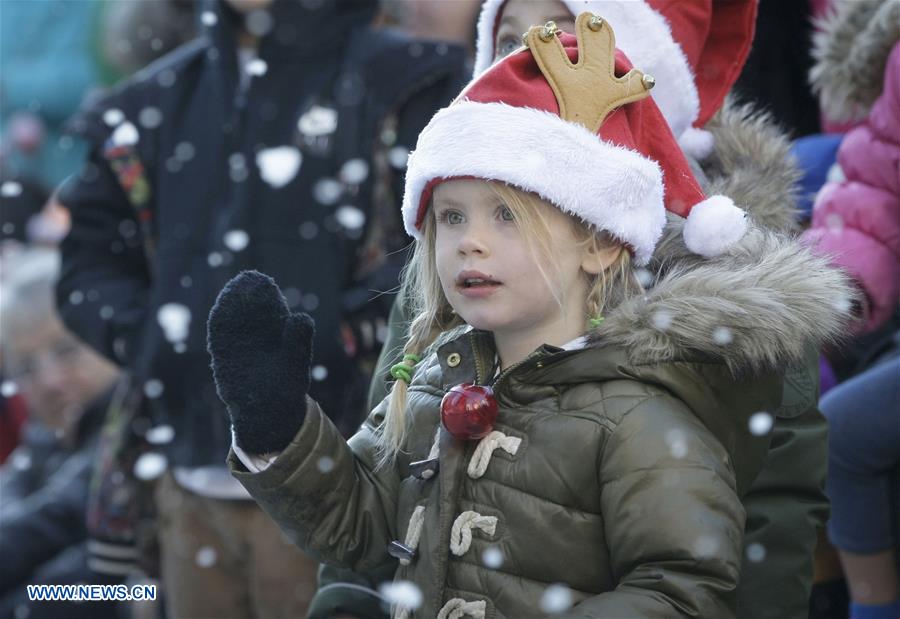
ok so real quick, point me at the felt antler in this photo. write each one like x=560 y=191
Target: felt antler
x=588 y=91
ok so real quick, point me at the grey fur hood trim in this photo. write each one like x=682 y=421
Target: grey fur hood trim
x=754 y=309
x=850 y=52
x=751 y=164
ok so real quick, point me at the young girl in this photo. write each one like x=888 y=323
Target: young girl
x=696 y=52
x=551 y=421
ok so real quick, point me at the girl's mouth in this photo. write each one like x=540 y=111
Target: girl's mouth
x=475 y=284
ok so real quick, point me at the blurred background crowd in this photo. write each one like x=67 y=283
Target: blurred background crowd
x=151 y=149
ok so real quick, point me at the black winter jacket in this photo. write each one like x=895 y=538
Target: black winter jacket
x=192 y=201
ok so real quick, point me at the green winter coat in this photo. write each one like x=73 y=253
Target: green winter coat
x=631 y=453
x=617 y=487
x=786 y=502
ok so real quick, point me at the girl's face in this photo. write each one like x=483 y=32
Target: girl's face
x=490 y=275
x=518 y=16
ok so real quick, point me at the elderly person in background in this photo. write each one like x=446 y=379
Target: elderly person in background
x=44 y=482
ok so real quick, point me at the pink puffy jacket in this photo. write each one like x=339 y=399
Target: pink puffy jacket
x=857 y=221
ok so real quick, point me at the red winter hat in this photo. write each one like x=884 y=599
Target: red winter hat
x=695 y=49
x=570 y=120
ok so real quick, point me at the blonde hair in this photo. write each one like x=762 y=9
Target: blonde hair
x=434 y=315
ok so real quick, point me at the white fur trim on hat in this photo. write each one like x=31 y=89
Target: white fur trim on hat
x=697 y=143
x=614 y=188
x=645 y=37
x=713 y=226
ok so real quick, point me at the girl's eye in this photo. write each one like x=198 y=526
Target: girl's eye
x=507 y=45
x=450 y=217
x=506 y=214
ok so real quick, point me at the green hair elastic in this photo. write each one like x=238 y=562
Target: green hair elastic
x=403 y=371
x=595 y=322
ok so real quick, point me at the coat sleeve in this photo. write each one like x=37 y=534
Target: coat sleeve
x=672 y=518
x=326 y=493
x=103 y=263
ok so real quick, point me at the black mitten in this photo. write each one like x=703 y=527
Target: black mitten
x=261 y=355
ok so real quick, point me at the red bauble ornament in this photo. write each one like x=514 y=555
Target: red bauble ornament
x=469 y=411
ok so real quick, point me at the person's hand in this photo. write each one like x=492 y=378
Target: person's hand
x=261 y=354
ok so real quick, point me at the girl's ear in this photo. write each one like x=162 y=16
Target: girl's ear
x=599 y=256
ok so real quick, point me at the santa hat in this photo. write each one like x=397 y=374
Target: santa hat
x=570 y=120
x=694 y=48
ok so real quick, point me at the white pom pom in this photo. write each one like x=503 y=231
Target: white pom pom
x=713 y=226
x=697 y=143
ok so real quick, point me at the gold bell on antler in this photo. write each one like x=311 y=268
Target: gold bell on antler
x=649 y=81
x=595 y=23
x=549 y=30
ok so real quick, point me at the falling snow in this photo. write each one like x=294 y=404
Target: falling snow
x=150 y=117
x=206 y=556
x=10 y=189
x=258 y=23
x=492 y=557
x=756 y=553
x=842 y=305
x=236 y=240
x=677 y=441
x=398 y=156
x=706 y=546
x=644 y=277
x=556 y=599
x=402 y=593
x=175 y=320
x=125 y=135
x=661 y=320
x=278 y=166
x=21 y=459
x=354 y=171
x=184 y=151
x=761 y=423
x=257 y=67
x=160 y=435
x=834 y=222
x=722 y=336
x=318 y=121
x=113 y=117
x=150 y=466
x=166 y=78
x=153 y=388
x=327 y=191
x=308 y=230
x=350 y=217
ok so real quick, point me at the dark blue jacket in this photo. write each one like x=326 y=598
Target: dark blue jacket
x=205 y=212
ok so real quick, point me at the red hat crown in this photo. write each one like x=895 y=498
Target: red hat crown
x=570 y=120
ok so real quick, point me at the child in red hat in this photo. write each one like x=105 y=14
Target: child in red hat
x=561 y=438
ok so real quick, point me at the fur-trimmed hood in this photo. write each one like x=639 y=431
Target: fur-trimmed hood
x=757 y=308
x=760 y=306
x=850 y=51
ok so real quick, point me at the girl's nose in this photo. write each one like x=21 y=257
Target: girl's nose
x=474 y=242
